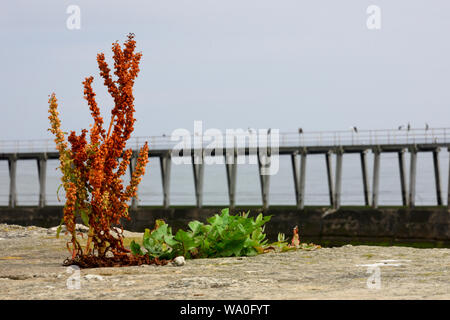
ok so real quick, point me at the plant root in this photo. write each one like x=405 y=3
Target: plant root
x=92 y=261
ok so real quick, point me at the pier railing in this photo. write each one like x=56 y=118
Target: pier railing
x=353 y=137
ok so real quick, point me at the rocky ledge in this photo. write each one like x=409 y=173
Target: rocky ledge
x=31 y=268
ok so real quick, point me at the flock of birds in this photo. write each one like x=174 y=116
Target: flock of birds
x=355 y=129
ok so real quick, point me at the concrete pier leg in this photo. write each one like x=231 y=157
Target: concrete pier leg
x=296 y=175
x=412 y=178
x=299 y=179
x=12 y=165
x=403 y=184
x=42 y=174
x=231 y=167
x=330 y=177
x=301 y=203
x=448 y=189
x=437 y=176
x=133 y=161
x=337 y=195
x=376 y=178
x=198 y=168
x=165 y=164
x=365 y=177
x=264 y=178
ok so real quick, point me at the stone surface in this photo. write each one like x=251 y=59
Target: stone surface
x=31 y=268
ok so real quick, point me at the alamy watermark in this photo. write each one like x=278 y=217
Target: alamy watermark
x=74 y=281
x=373 y=21
x=374 y=271
x=73 y=21
x=239 y=146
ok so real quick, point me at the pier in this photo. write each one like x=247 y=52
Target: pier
x=296 y=145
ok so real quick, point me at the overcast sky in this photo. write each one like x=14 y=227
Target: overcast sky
x=231 y=63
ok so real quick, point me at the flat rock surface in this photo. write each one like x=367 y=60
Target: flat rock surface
x=31 y=268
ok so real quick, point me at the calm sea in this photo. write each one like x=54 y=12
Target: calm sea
x=248 y=187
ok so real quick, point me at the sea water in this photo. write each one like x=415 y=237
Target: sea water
x=248 y=190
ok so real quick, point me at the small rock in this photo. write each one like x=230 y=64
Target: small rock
x=81 y=228
x=179 y=261
x=78 y=228
x=93 y=277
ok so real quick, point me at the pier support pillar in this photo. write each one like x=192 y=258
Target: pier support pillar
x=231 y=168
x=133 y=161
x=437 y=176
x=198 y=168
x=337 y=194
x=42 y=174
x=299 y=178
x=165 y=164
x=264 y=177
x=403 y=183
x=412 y=178
x=329 y=163
x=365 y=177
x=376 y=177
x=12 y=165
x=448 y=189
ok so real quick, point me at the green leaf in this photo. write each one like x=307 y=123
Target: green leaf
x=159 y=223
x=186 y=240
x=159 y=233
x=58 y=230
x=241 y=228
x=259 y=218
x=287 y=248
x=85 y=217
x=136 y=248
x=195 y=226
x=169 y=239
x=233 y=248
x=147 y=233
x=57 y=192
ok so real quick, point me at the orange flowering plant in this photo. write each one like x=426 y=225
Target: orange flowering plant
x=92 y=170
